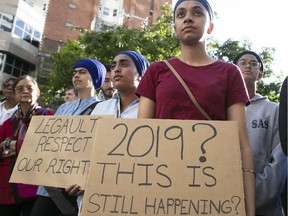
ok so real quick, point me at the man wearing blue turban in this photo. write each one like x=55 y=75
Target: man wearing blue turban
x=127 y=69
x=88 y=75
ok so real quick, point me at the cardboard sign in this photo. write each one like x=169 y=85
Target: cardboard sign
x=164 y=167
x=56 y=151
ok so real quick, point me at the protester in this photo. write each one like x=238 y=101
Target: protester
x=283 y=133
x=127 y=69
x=262 y=123
x=18 y=199
x=106 y=90
x=217 y=86
x=70 y=94
x=9 y=105
x=88 y=75
x=283 y=115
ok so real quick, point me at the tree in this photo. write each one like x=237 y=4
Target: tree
x=156 y=42
x=228 y=50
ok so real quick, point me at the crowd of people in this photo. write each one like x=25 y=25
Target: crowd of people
x=130 y=87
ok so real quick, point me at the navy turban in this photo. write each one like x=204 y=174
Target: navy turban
x=95 y=68
x=259 y=59
x=203 y=2
x=139 y=60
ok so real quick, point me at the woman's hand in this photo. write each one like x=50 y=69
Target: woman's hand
x=74 y=190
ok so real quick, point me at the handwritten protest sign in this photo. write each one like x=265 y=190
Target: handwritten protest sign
x=56 y=151
x=164 y=167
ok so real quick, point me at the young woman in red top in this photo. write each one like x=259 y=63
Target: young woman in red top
x=218 y=86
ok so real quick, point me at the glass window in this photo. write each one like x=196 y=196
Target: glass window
x=8 y=18
x=28 y=29
x=30 y=2
x=8 y=69
x=35 y=43
x=2 y=55
x=16 y=72
x=114 y=12
x=27 y=37
x=20 y=23
x=17 y=67
x=18 y=63
x=36 y=34
x=25 y=68
x=27 y=32
x=6 y=22
x=72 y=6
x=18 y=32
x=69 y=25
x=106 y=11
x=5 y=28
x=9 y=60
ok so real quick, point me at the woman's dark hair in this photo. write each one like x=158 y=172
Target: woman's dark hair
x=5 y=83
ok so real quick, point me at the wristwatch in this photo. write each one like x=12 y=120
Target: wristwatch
x=7 y=143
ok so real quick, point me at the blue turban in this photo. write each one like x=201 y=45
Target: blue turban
x=203 y=2
x=96 y=69
x=259 y=59
x=139 y=60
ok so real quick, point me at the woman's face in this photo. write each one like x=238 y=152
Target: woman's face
x=8 y=90
x=192 y=22
x=26 y=92
x=124 y=73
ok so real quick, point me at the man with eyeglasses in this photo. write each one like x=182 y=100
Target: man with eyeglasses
x=262 y=123
x=9 y=105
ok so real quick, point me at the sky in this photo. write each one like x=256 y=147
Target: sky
x=262 y=22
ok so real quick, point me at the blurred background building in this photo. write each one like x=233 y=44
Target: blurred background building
x=31 y=29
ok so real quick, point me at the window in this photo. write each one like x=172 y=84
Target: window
x=6 y=22
x=69 y=25
x=72 y=6
x=20 y=23
x=4 y=28
x=30 y=2
x=17 y=67
x=27 y=32
x=114 y=12
x=8 y=18
x=2 y=55
x=106 y=11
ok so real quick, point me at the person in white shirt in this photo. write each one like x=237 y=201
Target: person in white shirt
x=127 y=69
x=9 y=105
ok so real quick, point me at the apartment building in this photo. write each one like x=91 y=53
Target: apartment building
x=94 y=14
x=21 y=27
x=31 y=29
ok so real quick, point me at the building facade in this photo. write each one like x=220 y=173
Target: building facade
x=21 y=27
x=31 y=29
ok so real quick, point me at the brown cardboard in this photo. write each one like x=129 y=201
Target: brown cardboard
x=56 y=151
x=164 y=167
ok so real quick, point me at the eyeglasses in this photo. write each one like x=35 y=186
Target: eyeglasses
x=22 y=88
x=252 y=64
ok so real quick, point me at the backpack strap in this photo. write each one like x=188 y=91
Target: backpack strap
x=90 y=108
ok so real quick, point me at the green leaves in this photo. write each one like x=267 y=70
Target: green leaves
x=156 y=42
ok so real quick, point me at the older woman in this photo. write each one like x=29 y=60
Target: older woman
x=18 y=199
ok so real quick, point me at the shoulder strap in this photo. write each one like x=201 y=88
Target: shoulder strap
x=90 y=108
x=41 y=111
x=193 y=99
